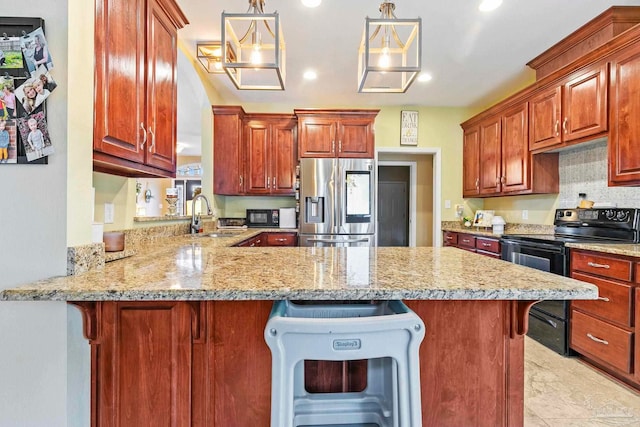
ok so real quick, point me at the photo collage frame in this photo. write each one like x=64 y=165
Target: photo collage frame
x=26 y=82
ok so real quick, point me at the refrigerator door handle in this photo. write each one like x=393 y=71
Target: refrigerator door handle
x=333 y=241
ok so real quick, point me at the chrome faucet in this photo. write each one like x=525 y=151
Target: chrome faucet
x=196 y=222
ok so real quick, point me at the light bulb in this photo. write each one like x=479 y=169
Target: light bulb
x=217 y=65
x=384 y=60
x=256 y=55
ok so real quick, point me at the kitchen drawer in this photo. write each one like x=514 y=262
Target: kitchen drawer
x=601 y=265
x=281 y=239
x=614 y=302
x=466 y=241
x=488 y=245
x=602 y=340
x=450 y=238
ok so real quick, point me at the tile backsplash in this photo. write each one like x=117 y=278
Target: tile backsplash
x=583 y=169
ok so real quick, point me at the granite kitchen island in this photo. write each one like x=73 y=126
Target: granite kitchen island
x=176 y=331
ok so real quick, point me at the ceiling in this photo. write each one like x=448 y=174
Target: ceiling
x=471 y=55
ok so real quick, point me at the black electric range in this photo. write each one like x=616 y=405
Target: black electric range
x=549 y=320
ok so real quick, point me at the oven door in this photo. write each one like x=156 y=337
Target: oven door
x=542 y=256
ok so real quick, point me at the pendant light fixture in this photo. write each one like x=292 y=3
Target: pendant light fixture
x=390 y=54
x=257 y=61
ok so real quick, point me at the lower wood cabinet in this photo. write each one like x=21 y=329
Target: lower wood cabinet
x=205 y=363
x=603 y=331
x=482 y=245
x=271 y=239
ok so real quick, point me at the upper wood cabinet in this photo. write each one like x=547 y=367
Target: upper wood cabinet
x=228 y=165
x=497 y=161
x=336 y=133
x=624 y=138
x=570 y=112
x=270 y=154
x=471 y=162
x=135 y=78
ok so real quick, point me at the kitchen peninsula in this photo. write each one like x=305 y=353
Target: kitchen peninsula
x=176 y=331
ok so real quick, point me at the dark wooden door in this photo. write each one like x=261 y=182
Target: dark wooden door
x=471 y=162
x=120 y=128
x=143 y=364
x=624 y=152
x=355 y=138
x=393 y=205
x=284 y=157
x=516 y=159
x=584 y=106
x=161 y=90
x=490 y=136
x=256 y=137
x=317 y=137
x=227 y=151
x=544 y=119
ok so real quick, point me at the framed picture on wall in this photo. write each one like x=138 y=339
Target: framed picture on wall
x=408 y=128
x=483 y=218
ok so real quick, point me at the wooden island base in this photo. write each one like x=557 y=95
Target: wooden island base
x=205 y=363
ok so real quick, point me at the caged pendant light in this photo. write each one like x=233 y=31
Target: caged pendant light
x=255 y=38
x=390 y=54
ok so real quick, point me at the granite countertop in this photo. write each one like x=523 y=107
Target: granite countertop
x=201 y=267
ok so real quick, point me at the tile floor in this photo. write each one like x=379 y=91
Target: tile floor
x=562 y=392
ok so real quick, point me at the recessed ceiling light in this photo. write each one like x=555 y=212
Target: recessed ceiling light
x=310 y=75
x=424 y=77
x=489 y=5
x=311 y=3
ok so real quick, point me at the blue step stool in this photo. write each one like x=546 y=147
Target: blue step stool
x=388 y=334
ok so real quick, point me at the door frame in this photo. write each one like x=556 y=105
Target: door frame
x=437 y=184
x=413 y=177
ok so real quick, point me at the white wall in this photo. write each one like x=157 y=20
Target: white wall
x=33 y=241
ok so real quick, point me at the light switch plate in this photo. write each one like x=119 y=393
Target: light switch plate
x=447 y=204
x=525 y=214
x=108 y=213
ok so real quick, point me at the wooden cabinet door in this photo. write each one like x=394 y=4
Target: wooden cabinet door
x=471 y=162
x=623 y=146
x=142 y=364
x=161 y=90
x=516 y=159
x=227 y=151
x=584 y=106
x=544 y=119
x=355 y=138
x=490 y=137
x=317 y=136
x=120 y=128
x=257 y=145
x=284 y=157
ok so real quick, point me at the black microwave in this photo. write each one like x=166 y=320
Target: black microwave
x=264 y=218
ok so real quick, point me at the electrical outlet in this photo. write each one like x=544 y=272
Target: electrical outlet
x=447 y=204
x=525 y=214
x=108 y=213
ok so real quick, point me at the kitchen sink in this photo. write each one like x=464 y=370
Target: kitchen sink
x=218 y=234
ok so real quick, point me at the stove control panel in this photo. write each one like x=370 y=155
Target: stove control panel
x=610 y=217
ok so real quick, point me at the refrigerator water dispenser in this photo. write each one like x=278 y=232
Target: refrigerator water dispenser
x=314 y=210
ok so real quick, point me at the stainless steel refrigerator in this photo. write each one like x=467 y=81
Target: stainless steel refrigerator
x=337 y=202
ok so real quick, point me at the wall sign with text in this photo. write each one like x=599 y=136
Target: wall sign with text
x=409 y=128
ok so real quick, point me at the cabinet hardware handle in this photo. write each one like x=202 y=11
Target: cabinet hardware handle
x=340 y=146
x=555 y=127
x=596 y=265
x=281 y=240
x=144 y=139
x=486 y=245
x=477 y=183
x=333 y=145
x=274 y=182
x=503 y=179
x=449 y=237
x=466 y=241
x=240 y=181
x=605 y=299
x=153 y=140
x=596 y=339
x=564 y=125
x=268 y=182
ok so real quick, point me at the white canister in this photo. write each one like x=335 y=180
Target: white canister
x=498 y=224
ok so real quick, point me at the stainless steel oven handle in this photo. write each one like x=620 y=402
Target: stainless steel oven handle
x=596 y=265
x=596 y=339
x=542 y=319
